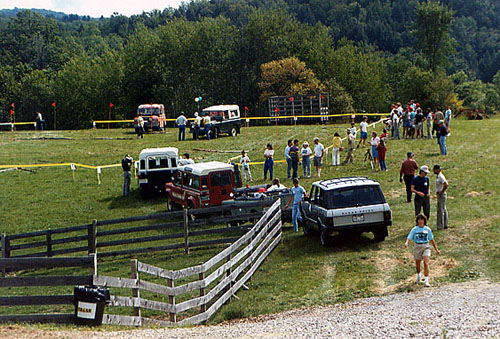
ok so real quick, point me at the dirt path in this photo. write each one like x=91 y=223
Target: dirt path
x=464 y=310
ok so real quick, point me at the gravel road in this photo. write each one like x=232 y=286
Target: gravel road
x=464 y=310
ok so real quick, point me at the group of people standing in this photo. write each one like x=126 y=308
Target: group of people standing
x=413 y=118
x=200 y=123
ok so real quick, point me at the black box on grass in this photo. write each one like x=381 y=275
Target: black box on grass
x=89 y=304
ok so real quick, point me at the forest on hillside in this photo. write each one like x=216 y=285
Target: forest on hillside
x=365 y=54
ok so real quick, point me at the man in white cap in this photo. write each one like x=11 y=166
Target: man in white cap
x=421 y=187
x=197 y=123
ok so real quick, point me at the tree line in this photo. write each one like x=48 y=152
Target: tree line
x=231 y=52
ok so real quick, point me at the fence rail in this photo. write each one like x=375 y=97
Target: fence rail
x=18 y=264
x=228 y=270
x=88 y=238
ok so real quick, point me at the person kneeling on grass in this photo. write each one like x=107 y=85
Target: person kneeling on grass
x=421 y=236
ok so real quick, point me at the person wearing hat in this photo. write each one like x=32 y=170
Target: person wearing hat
x=441 y=186
x=181 y=123
x=407 y=172
x=421 y=187
x=306 y=153
x=197 y=125
x=441 y=135
x=351 y=144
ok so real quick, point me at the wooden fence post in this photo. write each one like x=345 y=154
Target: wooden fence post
x=201 y=276
x=135 y=291
x=228 y=272
x=48 y=240
x=92 y=239
x=186 y=231
x=93 y=268
x=4 y=252
x=171 y=300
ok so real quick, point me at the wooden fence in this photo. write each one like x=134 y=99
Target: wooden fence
x=94 y=237
x=205 y=287
x=17 y=264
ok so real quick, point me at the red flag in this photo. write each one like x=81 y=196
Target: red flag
x=277 y=109
x=11 y=112
x=322 y=97
x=291 y=98
x=246 y=108
x=111 y=105
x=54 y=104
x=12 y=104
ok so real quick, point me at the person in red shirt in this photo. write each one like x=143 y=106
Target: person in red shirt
x=381 y=149
x=407 y=172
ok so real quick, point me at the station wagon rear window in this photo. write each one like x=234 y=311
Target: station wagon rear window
x=354 y=197
x=158 y=162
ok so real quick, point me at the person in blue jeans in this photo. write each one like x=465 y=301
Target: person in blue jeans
x=294 y=153
x=298 y=193
x=287 y=157
x=442 y=132
x=181 y=122
x=269 y=162
x=306 y=153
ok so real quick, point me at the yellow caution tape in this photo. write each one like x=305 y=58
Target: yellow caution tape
x=60 y=164
x=17 y=123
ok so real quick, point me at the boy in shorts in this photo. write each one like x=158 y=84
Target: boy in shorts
x=421 y=236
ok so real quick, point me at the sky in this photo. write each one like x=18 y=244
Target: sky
x=94 y=8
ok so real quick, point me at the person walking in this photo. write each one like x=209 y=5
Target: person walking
x=181 y=123
x=39 y=121
x=245 y=166
x=268 y=162
x=381 y=150
x=337 y=147
x=295 y=158
x=421 y=187
x=419 y=121
x=298 y=193
x=441 y=187
x=441 y=135
x=127 y=163
x=407 y=172
x=287 y=158
x=306 y=153
x=405 y=116
x=421 y=235
x=351 y=145
x=319 y=152
x=395 y=124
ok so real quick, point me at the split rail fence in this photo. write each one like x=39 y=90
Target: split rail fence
x=101 y=234
x=24 y=282
x=195 y=293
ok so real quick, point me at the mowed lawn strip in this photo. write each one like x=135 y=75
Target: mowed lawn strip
x=299 y=272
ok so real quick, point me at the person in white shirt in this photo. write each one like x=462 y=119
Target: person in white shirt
x=276 y=186
x=185 y=160
x=353 y=131
x=197 y=125
x=441 y=186
x=268 y=162
x=181 y=123
x=306 y=153
x=319 y=152
x=140 y=122
x=363 y=126
x=375 y=140
x=245 y=166
x=429 y=119
x=395 y=124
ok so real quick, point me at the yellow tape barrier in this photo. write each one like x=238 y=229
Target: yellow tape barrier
x=60 y=164
x=17 y=123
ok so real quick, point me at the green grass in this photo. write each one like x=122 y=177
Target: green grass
x=299 y=272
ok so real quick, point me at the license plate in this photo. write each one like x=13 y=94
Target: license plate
x=358 y=218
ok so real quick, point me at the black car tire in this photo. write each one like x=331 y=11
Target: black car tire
x=324 y=238
x=380 y=233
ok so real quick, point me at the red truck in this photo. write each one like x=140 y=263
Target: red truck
x=202 y=185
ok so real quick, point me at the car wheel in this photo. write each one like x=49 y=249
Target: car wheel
x=170 y=204
x=234 y=131
x=380 y=234
x=324 y=238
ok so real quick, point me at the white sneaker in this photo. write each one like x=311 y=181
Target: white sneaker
x=417 y=281
x=426 y=282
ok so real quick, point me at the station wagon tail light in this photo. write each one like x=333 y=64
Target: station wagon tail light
x=329 y=222
x=387 y=215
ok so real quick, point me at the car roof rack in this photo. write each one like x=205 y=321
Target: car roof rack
x=345 y=180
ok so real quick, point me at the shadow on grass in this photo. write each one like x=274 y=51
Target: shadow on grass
x=133 y=200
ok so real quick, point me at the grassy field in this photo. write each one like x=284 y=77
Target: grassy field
x=299 y=272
